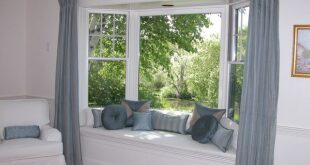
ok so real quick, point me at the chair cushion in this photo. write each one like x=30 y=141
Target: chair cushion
x=114 y=117
x=204 y=129
x=28 y=148
x=16 y=112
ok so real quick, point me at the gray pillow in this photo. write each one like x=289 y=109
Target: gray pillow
x=170 y=122
x=204 y=129
x=97 y=118
x=15 y=132
x=114 y=117
x=201 y=110
x=222 y=138
x=134 y=106
x=142 y=121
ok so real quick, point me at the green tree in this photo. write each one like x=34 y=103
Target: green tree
x=204 y=75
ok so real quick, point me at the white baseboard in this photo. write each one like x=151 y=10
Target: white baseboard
x=293 y=131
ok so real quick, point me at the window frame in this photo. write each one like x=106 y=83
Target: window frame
x=133 y=48
x=223 y=10
x=84 y=57
x=233 y=46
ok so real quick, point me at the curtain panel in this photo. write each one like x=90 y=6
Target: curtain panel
x=66 y=94
x=257 y=127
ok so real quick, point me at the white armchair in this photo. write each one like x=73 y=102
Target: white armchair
x=47 y=150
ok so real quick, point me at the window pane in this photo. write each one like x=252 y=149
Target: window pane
x=241 y=31
x=179 y=60
x=120 y=47
x=120 y=24
x=107 y=35
x=94 y=49
x=236 y=81
x=107 y=24
x=94 y=24
x=106 y=82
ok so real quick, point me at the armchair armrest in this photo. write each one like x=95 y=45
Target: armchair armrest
x=50 y=134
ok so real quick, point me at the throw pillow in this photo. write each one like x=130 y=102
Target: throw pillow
x=201 y=110
x=97 y=118
x=134 y=106
x=222 y=137
x=142 y=121
x=169 y=122
x=114 y=117
x=204 y=129
x=15 y=132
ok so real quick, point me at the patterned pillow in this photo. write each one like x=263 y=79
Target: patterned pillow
x=222 y=137
x=134 y=106
x=201 y=110
x=170 y=122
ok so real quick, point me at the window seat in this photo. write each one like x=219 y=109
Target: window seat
x=120 y=147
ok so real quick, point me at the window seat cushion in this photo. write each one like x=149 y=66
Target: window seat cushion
x=159 y=141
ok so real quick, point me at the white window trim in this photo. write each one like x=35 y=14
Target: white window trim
x=133 y=49
x=232 y=46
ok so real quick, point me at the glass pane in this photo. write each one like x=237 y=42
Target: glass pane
x=236 y=81
x=106 y=83
x=107 y=24
x=107 y=47
x=179 y=60
x=120 y=24
x=241 y=30
x=94 y=24
x=94 y=46
x=107 y=35
x=120 y=47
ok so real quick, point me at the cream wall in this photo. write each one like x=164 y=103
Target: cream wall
x=293 y=135
x=42 y=35
x=12 y=47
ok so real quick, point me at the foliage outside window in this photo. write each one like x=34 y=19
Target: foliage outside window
x=106 y=58
x=237 y=59
x=178 y=63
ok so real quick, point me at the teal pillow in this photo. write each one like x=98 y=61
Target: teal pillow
x=142 y=121
x=15 y=132
x=222 y=137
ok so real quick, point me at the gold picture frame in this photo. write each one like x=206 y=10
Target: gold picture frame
x=301 y=51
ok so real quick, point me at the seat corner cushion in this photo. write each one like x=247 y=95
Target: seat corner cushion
x=28 y=148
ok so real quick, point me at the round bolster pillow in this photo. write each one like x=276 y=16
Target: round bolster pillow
x=114 y=117
x=204 y=129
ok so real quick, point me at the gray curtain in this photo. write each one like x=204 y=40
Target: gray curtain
x=257 y=125
x=66 y=94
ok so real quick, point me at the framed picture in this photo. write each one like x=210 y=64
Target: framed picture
x=301 y=51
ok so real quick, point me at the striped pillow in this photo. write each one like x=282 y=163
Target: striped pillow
x=169 y=122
